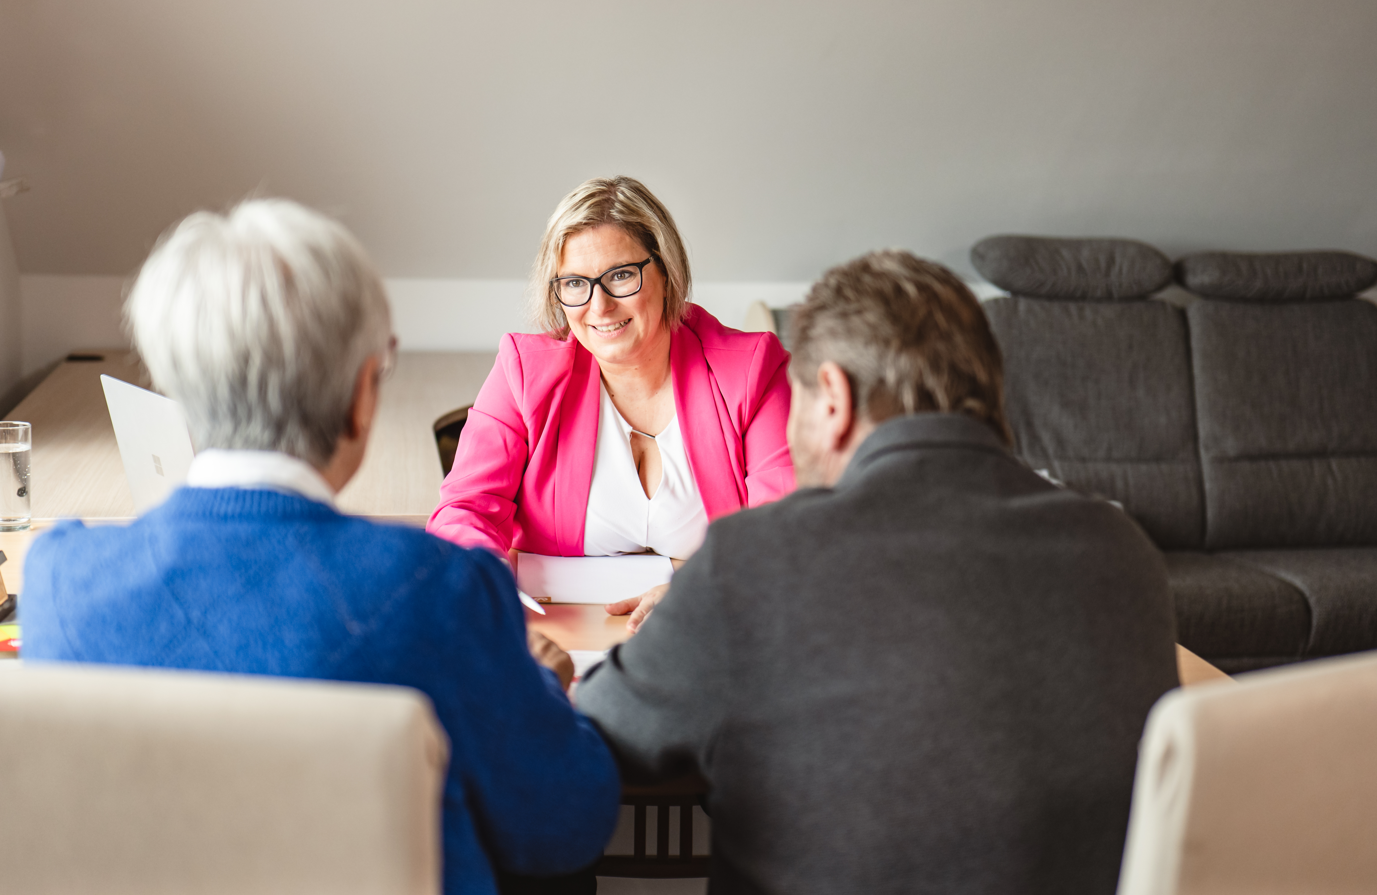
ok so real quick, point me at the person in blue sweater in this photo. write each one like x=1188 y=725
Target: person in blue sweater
x=271 y=328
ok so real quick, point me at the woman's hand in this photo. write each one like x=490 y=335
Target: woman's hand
x=639 y=607
x=546 y=652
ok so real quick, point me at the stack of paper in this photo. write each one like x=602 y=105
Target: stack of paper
x=585 y=659
x=590 y=579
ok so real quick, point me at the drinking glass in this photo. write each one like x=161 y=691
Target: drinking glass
x=16 y=444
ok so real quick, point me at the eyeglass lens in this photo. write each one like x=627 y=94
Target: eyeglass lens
x=618 y=283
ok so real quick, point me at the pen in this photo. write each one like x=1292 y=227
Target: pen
x=530 y=603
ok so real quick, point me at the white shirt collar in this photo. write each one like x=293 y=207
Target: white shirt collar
x=269 y=470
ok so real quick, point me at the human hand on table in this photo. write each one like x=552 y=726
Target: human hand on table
x=639 y=607
x=546 y=652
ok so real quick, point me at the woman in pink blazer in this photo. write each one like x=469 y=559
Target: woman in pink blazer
x=625 y=359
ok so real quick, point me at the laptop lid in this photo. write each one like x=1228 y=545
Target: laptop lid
x=153 y=438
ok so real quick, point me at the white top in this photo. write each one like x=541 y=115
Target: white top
x=621 y=519
x=214 y=468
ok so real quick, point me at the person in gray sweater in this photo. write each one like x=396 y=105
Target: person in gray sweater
x=928 y=669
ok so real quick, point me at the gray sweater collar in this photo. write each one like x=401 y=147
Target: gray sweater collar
x=921 y=431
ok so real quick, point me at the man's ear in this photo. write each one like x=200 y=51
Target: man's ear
x=840 y=419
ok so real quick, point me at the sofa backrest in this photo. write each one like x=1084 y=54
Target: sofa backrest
x=140 y=780
x=1285 y=366
x=1097 y=377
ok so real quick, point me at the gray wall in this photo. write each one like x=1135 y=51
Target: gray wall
x=784 y=136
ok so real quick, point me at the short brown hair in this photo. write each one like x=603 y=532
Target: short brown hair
x=909 y=334
x=626 y=202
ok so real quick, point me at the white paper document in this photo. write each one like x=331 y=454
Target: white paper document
x=585 y=659
x=590 y=579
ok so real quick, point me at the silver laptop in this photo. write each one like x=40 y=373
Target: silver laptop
x=153 y=438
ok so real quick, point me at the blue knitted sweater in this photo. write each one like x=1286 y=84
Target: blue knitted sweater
x=261 y=582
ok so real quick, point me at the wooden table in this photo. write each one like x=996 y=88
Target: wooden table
x=580 y=627
x=15 y=545
x=76 y=468
x=575 y=626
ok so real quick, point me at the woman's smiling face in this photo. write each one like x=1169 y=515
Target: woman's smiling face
x=617 y=331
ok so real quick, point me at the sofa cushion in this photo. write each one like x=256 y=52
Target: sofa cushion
x=1072 y=269
x=1286 y=397
x=1276 y=276
x=1340 y=584
x=784 y=324
x=1100 y=396
x=1230 y=610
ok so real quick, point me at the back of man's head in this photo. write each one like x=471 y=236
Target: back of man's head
x=257 y=322
x=910 y=336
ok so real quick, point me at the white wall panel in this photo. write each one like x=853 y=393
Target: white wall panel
x=63 y=313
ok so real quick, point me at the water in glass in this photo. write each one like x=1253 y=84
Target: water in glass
x=15 y=449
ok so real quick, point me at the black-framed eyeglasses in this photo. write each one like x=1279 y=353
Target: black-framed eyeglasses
x=618 y=282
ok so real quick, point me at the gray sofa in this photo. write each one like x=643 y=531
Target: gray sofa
x=1239 y=430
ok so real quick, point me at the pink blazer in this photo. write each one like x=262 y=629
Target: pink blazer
x=525 y=460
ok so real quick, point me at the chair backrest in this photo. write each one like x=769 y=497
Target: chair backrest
x=1265 y=785
x=761 y=318
x=684 y=793
x=1097 y=377
x=136 y=780
x=1285 y=362
x=447 y=430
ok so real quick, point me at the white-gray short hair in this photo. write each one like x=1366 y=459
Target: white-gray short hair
x=257 y=322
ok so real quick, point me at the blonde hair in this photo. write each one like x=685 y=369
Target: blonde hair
x=625 y=202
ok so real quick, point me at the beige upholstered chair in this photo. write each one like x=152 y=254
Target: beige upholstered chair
x=131 y=780
x=1265 y=785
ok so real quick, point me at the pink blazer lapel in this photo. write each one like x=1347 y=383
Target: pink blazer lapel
x=578 y=444
x=713 y=446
